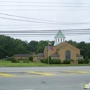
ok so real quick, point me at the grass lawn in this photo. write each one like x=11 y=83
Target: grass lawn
x=4 y=63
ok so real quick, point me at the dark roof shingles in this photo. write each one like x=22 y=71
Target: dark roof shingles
x=54 y=55
x=22 y=55
x=39 y=55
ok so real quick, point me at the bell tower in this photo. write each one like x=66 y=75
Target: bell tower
x=59 y=38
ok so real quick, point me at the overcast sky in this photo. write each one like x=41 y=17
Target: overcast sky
x=70 y=16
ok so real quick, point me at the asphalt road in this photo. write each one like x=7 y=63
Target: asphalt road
x=44 y=78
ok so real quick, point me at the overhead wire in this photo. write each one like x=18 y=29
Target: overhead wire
x=26 y=20
x=48 y=4
x=44 y=2
x=46 y=32
x=43 y=6
x=28 y=17
x=43 y=9
x=42 y=22
x=38 y=22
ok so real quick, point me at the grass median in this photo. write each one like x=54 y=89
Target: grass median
x=4 y=63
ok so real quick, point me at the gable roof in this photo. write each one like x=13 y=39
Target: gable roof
x=22 y=55
x=59 y=35
x=55 y=55
x=63 y=44
x=39 y=55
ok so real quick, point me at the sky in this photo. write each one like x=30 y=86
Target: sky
x=41 y=19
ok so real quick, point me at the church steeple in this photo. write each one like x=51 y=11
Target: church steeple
x=59 y=38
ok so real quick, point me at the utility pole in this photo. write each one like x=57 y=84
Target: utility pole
x=48 y=52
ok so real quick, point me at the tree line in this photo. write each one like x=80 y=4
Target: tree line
x=10 y=46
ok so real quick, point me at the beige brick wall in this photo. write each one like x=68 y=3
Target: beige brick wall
x=62 y=51
x=35 y=59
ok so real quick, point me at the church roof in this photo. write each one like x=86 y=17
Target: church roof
x=22 y=55
x=59 y=35
x=55 y=55
x=39 y=55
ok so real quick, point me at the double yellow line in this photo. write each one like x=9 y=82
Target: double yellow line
x=6 y=75
x=74 y=71
x=40 y=73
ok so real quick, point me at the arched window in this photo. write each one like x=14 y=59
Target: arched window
x=68 y=55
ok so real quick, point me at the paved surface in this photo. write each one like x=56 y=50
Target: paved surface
x=44 y=78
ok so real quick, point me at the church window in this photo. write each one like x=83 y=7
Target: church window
x=68 y=55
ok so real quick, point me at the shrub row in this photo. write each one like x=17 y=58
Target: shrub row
x=13 y=60
x=84 y=61
x=51 y=61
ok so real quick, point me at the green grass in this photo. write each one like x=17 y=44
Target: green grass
x=4 y=63
x=21 y=64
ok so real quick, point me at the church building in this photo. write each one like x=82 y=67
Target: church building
x=61 y=50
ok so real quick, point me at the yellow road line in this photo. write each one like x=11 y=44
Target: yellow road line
x=40 y=73
x=6 y=75
x=78 y=72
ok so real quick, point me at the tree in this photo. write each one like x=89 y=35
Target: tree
x=32 y=46
x=86 y=60
x=41 y=46
x=74 y=43
x=10 y=46
x=30 y=58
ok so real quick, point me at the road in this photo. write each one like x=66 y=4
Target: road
x=44 y=78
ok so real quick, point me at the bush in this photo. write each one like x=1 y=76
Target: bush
x=86 y=60
x=51 y=61
x=14 y=60
x=56 y=61
x=46 y=60
x=30 y=58
x=42 y=60
x=9 y=58
x=25 y=61
x=66 y=62
x=72 y=60
x=81 y=61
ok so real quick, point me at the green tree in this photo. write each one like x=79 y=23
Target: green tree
x=82 y=47
x=74 y=43
x=86 y=60
x=30 y=58
x=32 y=46
x=41 y=46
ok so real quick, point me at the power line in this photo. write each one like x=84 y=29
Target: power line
x=48 y=21
x=41 y=9
x=42 y=6
x=27 y=17
x=70 y=34
x=47 y=30
x=26 y=20
x=43 y=2
x=74 y=31
x=42 y=22
x=47 y=33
